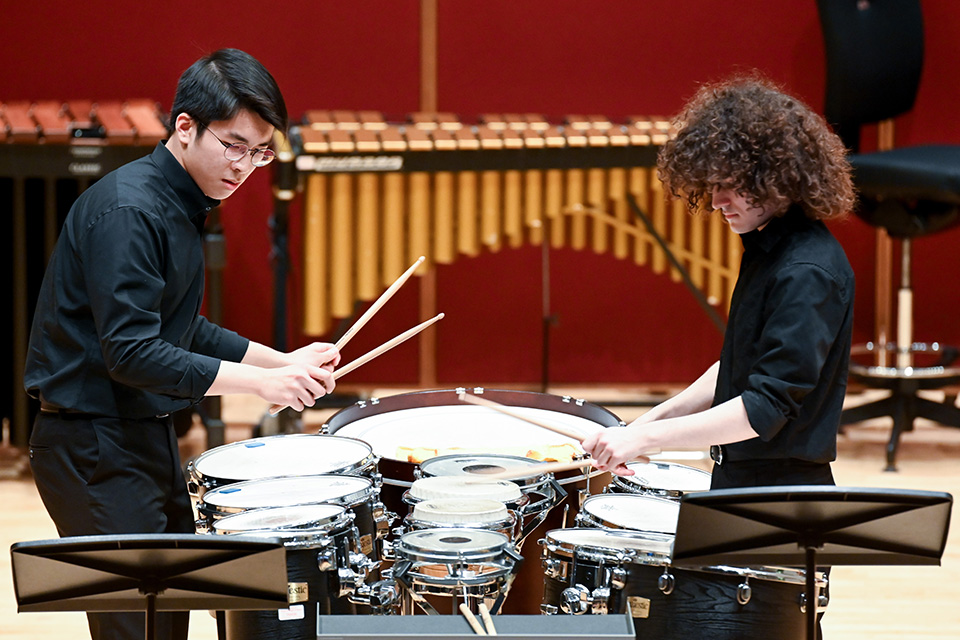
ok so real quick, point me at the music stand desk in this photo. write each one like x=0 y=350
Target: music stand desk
x=149 y=572
x=810 y=525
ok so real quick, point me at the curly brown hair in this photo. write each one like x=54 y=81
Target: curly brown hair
x=747 y=134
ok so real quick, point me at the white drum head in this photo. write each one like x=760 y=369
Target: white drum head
x=635 y=512
x=463 y=487
x=668 y=476
x=477 y=465
x=614 y=541
x=282 y=492
x=457 y=511
x=453 y=429
x=310 y=516
x=453 y=542
x=283 y=455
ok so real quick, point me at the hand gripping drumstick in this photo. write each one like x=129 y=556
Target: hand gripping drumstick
x=370 y=355
x=472 y=619
x=487 y=619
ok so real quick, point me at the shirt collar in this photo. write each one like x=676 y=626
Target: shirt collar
x=780 y=226
x=195 y=202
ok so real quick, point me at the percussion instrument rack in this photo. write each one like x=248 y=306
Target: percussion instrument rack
x=50 y=152
x=376 y=195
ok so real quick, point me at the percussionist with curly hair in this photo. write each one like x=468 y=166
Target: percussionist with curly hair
x=770 y=407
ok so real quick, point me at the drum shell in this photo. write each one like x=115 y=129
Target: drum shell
x=702 y=604
x=507 y=527
x=370 y=516
x=320 y=599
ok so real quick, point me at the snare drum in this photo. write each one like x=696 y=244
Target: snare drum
x=472 y=565
x=630 y=512
x=297 y=454
x=661 y=479
x=473 y=513
x=542 y=490
x=322 y=568
x=357 y=494
x=605 y=571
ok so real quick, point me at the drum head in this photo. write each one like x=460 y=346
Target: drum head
x=282 y=492
x=610 y=541
x=459 y=511
x=464 y=487
x=309 y=516
x=668 y=476
x=478 y=465
x=634 y=512
x=295 y=454
x=417 y=426
x=453 y=543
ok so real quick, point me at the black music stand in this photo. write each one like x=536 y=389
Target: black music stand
x=151 y=572
x=810 y=525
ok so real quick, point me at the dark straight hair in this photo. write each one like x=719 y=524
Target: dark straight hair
x=220 y=85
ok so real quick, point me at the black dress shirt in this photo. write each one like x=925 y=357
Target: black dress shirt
x=117 y=330
x=787 y=345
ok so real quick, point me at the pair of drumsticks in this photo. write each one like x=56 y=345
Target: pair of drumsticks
x=386 y=346
x=487 y=629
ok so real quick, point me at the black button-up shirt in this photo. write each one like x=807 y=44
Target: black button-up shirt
x=787 y=345
x=117 y=330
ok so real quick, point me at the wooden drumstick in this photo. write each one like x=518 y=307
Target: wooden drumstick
x=382 y=300
x=370 y=355
x=496 y=406
x=525 y=471
x=472 y=619
x=487 y=619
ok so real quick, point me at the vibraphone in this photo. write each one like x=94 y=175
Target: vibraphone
x=377 y=195
x=50 y=152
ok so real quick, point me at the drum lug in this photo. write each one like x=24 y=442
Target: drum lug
x=666 y=582
x=618 y=578
x=326 y=559
x=822 y=602
x=552 y=567
x=744 y=592
x=575 y=600
x=200 y=524
x=549 y=610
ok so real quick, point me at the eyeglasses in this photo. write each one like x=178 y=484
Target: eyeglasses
x=235 y=152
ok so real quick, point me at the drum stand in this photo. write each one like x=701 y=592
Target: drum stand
x=149 y=572
x=810 y=525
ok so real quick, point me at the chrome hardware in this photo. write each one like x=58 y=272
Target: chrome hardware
x=552 y=567
x=822 y=601
x=666 y=582
x=618 y=577
x=549 y=610
x=744 y=592
x=575 y=600
x=383 y=597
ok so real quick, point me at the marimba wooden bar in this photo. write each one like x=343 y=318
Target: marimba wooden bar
x=377 y=195
x=50 y=152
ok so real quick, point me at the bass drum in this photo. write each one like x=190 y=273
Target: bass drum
x=406 y=429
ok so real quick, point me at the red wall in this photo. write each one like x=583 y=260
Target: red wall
x=617 y=322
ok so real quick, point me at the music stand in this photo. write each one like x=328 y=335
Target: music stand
x=807 y=525
x=151 y=572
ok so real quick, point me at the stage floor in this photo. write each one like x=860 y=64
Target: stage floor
x=880 y=603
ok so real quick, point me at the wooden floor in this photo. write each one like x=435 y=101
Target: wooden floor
x=879 y=603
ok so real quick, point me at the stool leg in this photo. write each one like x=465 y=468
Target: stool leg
x=903 y=414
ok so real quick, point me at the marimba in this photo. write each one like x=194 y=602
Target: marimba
x=50 y=152
x=377 y=195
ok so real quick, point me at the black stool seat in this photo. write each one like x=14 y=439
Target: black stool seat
x=911 y=191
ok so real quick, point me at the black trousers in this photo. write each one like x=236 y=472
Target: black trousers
x=113 y=476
